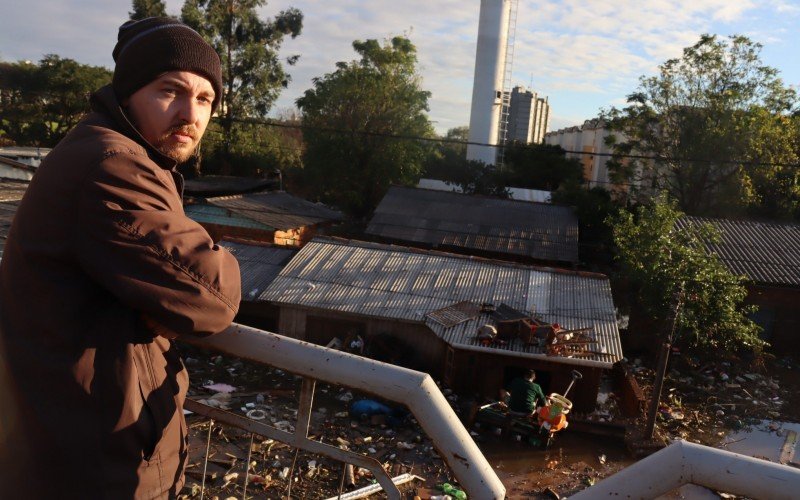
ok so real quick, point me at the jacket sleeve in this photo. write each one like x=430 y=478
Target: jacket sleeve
x=135 y=240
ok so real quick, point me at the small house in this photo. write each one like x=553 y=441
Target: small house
x=477 y=225
x=259 y=264
x=768 y=255
x=272 y=217
x=424 y=309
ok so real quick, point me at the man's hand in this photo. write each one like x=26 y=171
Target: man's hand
x=158 y=328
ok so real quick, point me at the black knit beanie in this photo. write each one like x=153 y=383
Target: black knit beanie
x=150 y=47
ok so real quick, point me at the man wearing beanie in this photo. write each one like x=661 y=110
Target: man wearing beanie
x=101 y=270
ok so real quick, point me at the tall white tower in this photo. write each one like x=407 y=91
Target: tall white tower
x=487 y=88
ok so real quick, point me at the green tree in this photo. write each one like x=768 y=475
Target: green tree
x=253 y=75
x=539 y=166
x=705 y=117
x=448 y=162
x=772 y=184
x=593 y=207
x=148 y=8
x=41 y=103
x=351 y=121
x=668 y=267
x=259 y=150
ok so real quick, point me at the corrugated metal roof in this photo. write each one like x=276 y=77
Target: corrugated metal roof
x=7 y=211
x=10 y=194
x=12 y=190
x=212 y=214
x=540 y=231
x=766 y=252
x=258 y=264
x=225 y=185
x=522 y=194
x=406 y=284
x=277 y=209
x=16 y=164
x=24 y=151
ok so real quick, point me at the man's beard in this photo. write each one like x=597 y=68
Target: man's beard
x=177 y=151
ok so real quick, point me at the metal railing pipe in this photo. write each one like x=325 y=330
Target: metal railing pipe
x=415 y=389
x=688 y=463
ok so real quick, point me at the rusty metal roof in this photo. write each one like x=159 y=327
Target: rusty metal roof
x=766 y=252
x=259 y=264
x=439 y=218
x=277 y=209
x=407 y=284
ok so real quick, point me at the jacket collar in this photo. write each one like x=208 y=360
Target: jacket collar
x=105 y=101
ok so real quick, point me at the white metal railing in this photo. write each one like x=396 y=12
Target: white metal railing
x=684 y=463
x=415 y=389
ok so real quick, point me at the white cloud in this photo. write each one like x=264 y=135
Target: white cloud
x=581 y=54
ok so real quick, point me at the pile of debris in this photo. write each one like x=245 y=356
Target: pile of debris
x=509 y=324
x=238 y=460
x=702 y=402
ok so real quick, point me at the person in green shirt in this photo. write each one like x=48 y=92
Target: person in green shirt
x=525 y=395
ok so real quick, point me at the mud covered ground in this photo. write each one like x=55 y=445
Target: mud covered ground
x=703 y=402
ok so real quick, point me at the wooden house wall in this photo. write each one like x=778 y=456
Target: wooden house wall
x=779 y=314
x=408 y=344
x=466 y=372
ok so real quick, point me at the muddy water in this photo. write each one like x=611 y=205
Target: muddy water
x=573 y=462
x=763 y=440
x=511 y=457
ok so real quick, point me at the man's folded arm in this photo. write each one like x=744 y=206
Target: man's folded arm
x=134 y=239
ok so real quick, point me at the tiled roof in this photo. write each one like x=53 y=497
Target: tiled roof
x=406 y=284
x=766 y=252
x=259 y=265
x=439 y=218
x=277 y=209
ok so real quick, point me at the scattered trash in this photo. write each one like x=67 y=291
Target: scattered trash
x=257 y=414
x=284 y=425
x=449 y=489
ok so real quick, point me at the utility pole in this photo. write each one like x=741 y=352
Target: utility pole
x=661 y=368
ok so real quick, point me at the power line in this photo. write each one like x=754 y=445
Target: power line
x=443 y=140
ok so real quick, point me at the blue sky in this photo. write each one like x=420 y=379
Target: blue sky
x=583 y=54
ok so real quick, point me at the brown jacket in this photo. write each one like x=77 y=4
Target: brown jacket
x=90 y=396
